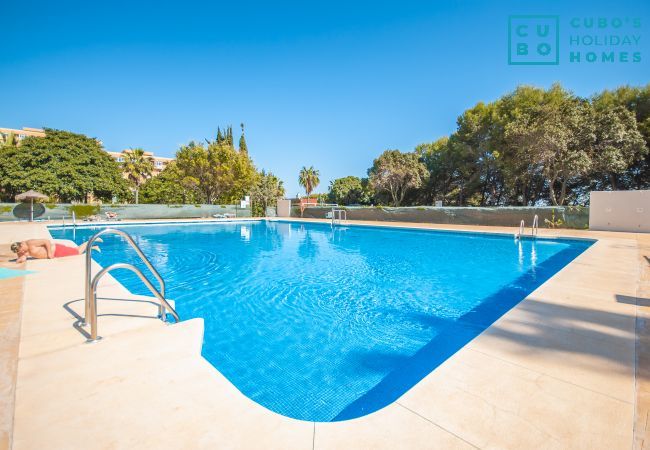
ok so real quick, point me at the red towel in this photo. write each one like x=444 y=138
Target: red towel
x=61 y=250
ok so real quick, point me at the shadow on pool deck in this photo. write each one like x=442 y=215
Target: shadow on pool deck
x=455 y=334
x=633 y=300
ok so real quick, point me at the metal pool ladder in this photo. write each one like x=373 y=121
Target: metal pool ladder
x=342 y=216
x=533 y=230
x=91 y=283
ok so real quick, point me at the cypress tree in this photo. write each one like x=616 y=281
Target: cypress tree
x=229 y=139
x=243 y=148
x=220 y=137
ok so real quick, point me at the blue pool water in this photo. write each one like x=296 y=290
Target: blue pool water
x=321 y=324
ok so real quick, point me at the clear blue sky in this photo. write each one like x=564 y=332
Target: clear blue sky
x=330 y=84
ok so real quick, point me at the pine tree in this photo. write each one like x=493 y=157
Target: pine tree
x=243 y=148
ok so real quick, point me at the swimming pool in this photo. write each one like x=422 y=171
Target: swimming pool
x=329 y=324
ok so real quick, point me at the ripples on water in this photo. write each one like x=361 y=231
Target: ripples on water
x=321 y=324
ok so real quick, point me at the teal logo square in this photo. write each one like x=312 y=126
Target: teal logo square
x=533 y=40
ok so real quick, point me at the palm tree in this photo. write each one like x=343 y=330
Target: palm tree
x=308 y=179
x=137 y=167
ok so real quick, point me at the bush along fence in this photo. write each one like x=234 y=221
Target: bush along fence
x=143 y=211
x=549 y=217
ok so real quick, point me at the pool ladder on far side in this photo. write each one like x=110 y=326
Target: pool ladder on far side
x=340 y=215
x=91 y=283
x=533 y=231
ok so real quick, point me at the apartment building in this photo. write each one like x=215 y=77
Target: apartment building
x=159 y=162
x=19 y=135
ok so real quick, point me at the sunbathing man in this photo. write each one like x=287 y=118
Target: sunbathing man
x=46 y=249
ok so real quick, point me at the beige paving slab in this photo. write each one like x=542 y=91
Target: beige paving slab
x=11 y=294
x=146 y=390
x=20 y=231
x=642 y=380
x=602 y=365
x=601 y=283
x=495 y=404
x=389 y=428
x=580 y=297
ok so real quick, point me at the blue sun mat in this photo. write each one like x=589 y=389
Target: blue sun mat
x=11 y=273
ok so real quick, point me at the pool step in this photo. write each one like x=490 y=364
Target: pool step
x=118 y=313
x=55 y=326
x=154 y=340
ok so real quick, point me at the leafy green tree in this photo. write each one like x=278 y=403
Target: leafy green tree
x=137 y=167
x=170 y=187
x=350 y=190
x=265 y=192
x=232 y=173
x=396 y=173
x=476 y=139
x=559 y=133
x=220 y=172
x=637 y=101
x=524 y=180
x=309 y=179
x=443 y=165
x=320 y=197
x=193 y=163
x=619 y=144
x=66 y=166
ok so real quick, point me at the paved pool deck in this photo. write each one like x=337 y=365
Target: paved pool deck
x=568 y=367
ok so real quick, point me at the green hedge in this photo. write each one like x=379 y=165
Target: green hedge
x=82 y=211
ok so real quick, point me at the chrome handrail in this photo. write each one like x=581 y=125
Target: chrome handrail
x=520 y=233
x=145 y=260
x=145 y=280
x=535 y=228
